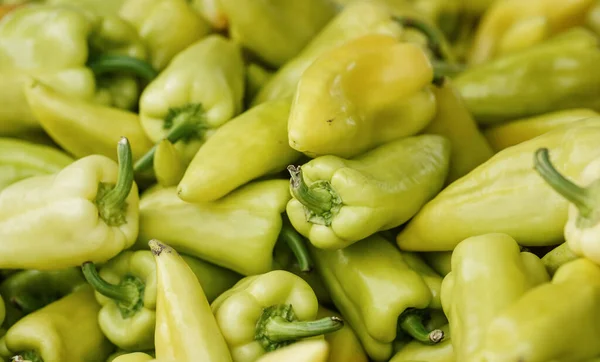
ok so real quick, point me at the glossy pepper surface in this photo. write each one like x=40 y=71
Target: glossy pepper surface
x=86 y=212
x=168 y=164
x=344 y=345
x=362 y=94
x=338 y=202
x=134 y=357
x=505 y=194
x=249 y=146
x=262 y=313
x=237 y=232
x=489 y=273
x=190 y=336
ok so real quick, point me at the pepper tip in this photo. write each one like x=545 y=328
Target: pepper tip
x=436 y=336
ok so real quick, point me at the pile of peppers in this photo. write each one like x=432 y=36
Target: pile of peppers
x=299 y=181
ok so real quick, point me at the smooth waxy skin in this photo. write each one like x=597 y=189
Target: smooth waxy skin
x=134 y=357
x=505 y=194
x=212 y=11
x=168 y=164
x=304 y=351
x=344 y=345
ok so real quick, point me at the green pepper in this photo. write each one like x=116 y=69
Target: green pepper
x=557 y=257
x=304 y=351
x=237 y=232
x=212 y=11
x=489 y=273
x=21 y=159
x=440 y=261
x=200 y=90
x=132 y=357
x=377 y=293
x=65 y=330
x=416 y=351
x=256 y=78
x=126 y=289
x=262 y=313
x=344 y=345
x=166 y=26
x=338 y=202
x=249 y=146
x=168 y=164
x=534 y=81
x=557 y=321
x=505 y=194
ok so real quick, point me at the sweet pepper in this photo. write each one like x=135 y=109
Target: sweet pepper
x=133 y=357
x=440 y=261
x=304 y=351
x=557 y=257
x=415 y=351
x=212 y=11
x=168 y=164
x=338 y=202
x=344 y=345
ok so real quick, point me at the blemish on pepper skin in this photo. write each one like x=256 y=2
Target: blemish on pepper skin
x=329 y=121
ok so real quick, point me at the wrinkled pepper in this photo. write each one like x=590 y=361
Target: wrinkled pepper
x=415 y=351
x=365 y=93
x=166 y=26
x=21 y=159
x=265 y=312
x=377 y=293
x=344 y=345
x=126 y=289
x=534 y=81
x=192 y=335
x=557 y=321
x=505 y=194
x=582 y=230
x=65 y=330
x=304 y=351
x=440 y=261
x=512 y=133
x=86 y=212
x=249 y=146
x=237 y=232
x=200 y=90
x=489 y=273
x=510 y=26
x=557 y=257
x=338 y=202
x=83 y=128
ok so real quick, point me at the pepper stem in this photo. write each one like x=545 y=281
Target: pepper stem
x=122 y=64
x=295 y=242
x=28 y=356
x=435 y=39
x=411 y=322
x=128 y=294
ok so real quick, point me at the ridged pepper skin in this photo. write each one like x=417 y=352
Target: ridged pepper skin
x=338 y=202
x=186 y=329
x=505 y=194
x=200 y=90
x=252 y=145
x=557 y=257
x=512 y=133
x=166 y=26
x=86 y=212
x=126 y=289
x=365 y=93
x=134 y=357
x=65 y=330
x=237 y=232
x=304 y=351
x=22 y=159
x=262 y=313
x=416 y=351
x=344 y=345
x=510 y=26
x=556 y=321
x=275 y=31
x=355 y=20
x=488 y=275
x=533 y=81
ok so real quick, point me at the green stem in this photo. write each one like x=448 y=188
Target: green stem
x=278 y=329
x=317 y=202
x=435 y=39
x=122 y=64
x=412 y=324
x=296 y=243
x=28 y=356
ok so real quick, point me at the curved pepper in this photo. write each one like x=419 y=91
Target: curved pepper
x=557 y=257
x=126 y=289
x=305 y=351
x=249 y=146
x=21 y=159
x=338 y=202
x=344 y=345
x=237 y=232
x=512 y=133
x=86 y=212
x=186 y=330
x=65 y=330
x=533 y=81
x=360 y=95
x=489 y=273
x=265 y=312
x=582 y=230
x=506 y=195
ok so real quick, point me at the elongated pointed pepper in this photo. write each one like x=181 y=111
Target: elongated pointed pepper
x=65 y=330
x=190 y=336
x=489 y=273
x=262 y=313
x=249 y=146
x=338 y=202
x=557 y=257
x=200 y=90
x=582 y=231
x=126 y=289
x=377 y=293
x=304 y=351
x=237 y=232
x=505 y=194
x=565 y=312
x=22 y=159
x=344 y=345
x=168 y=164
x=86 y=212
